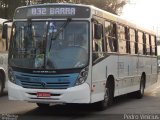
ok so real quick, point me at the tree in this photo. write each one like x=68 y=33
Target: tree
x=113 y=6
x=7 y=7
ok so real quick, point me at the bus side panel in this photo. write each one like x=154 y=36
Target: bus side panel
x=123 y=72
x=148 y=65
x=147 y=69
x=133 y=60
x=154 y=76
x=100 y=72
x=127 y=74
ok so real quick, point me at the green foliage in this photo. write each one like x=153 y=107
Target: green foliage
x=113 y=6
x=7 y=7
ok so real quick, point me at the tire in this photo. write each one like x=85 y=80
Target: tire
x=42 y=105
x=140 y=93
x=1 y=85
x=108 y=97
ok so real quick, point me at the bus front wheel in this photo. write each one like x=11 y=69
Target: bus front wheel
x=108 y=97
x=139 y=94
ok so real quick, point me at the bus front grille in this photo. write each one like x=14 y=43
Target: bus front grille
x=45 y=85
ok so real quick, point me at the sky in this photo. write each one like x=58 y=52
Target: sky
x=143 y=12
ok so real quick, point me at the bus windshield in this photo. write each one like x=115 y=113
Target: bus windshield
x=49 y=44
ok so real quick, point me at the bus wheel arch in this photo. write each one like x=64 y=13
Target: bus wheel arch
x=2 y=81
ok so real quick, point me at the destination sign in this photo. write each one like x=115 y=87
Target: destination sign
x=53 y=11
x=49 y=11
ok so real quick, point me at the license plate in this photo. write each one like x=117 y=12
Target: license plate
x=43 y=94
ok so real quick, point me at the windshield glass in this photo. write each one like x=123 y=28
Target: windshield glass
x=49 y=44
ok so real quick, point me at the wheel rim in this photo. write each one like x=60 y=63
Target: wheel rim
x=106 y=97
x=142 y=88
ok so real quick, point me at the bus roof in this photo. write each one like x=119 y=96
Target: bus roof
x=92 y=10
x=53 y=10
x=118 y=19
x=50 y=4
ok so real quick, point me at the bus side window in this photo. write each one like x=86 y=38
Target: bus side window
x=147 y=45
x=140 y=43
x=110 y=36
x=121 y=39
x=132 y=40
x=127 y=37
x=136 y=42
x=144 y=44
x=153 y=44
x=1 y=38
x=150 y=44
x=155 y=39
x=97 y=45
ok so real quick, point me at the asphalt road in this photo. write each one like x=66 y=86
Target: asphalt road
x=124 y=107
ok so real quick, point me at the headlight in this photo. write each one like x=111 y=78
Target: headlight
x=82 y=76
x=11 y=75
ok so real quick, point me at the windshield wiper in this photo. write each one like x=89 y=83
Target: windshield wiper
x=59 y=31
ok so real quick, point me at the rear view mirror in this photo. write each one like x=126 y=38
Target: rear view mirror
x=98 y=31
x=5 y=31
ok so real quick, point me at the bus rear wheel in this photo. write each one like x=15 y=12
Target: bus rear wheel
x=108 y=97
x=42 y=105
x=139 y=94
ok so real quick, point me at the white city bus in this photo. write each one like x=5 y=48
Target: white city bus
x=3 y=56
x=71 y=53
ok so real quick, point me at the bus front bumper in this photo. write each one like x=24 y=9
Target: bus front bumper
x=77 y=94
